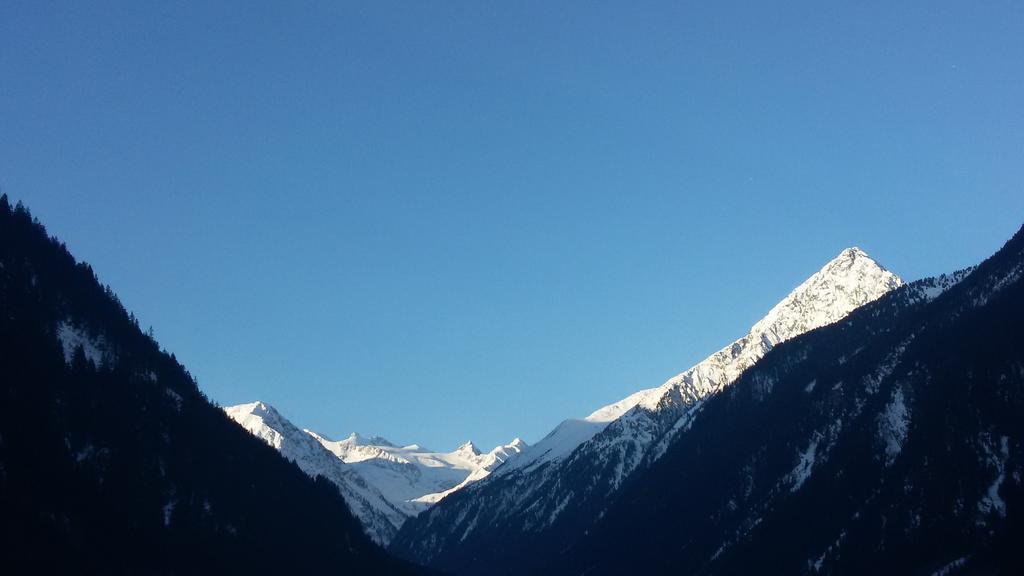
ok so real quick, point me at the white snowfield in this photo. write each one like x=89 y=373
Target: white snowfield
x=847 y=282
x=383 y=484
x=413 y=477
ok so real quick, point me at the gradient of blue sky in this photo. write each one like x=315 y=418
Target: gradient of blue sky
x=443 y=220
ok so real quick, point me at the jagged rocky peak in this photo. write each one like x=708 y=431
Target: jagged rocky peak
x=355 y=439
x=848 y=281
x=501 y=454
x=851 y=253
x=512 y=448
x=845 y=283
x=254 y=411
x=257 y=407
x=468 y=449
x=857 y=261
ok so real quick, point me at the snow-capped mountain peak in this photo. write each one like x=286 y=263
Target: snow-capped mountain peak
x=257 y=408
x=266 y=422
x=468 y=450
x=848 y=281
x=845 y=283
x=380 y=518
x=499 y=454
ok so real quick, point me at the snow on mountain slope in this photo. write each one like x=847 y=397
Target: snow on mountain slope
x=573 y=470
x=384 y=484
x=850 y=280
x=570 y=433
x=72 y=337
x=413 y=477
x=380 y=518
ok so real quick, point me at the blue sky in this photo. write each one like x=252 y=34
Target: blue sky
x=448 y=220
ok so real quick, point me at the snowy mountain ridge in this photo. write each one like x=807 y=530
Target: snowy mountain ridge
x=383 y=483
x=575 y=468
x=847 y=282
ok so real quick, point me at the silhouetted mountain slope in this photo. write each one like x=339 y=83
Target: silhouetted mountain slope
x=888 y=443
x=112 y=461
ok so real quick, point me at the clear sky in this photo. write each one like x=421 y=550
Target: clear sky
x=447 y=220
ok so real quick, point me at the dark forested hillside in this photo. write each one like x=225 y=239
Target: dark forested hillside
x=111 y=459
x=889 y=443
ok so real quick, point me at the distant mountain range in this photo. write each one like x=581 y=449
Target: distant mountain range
x=383 y=484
